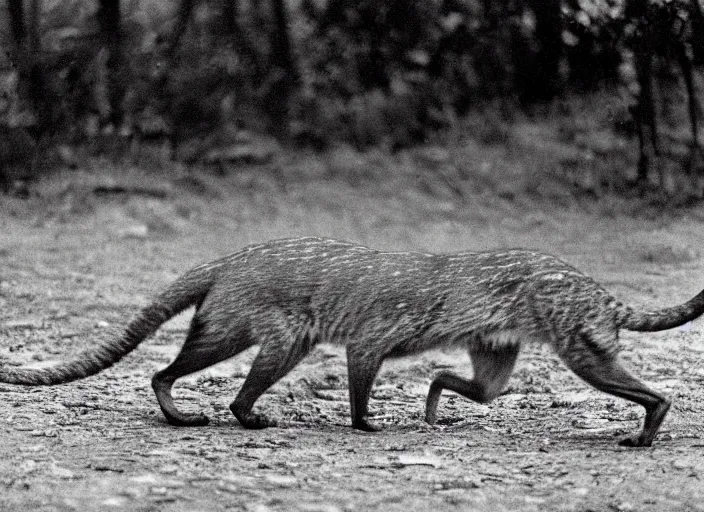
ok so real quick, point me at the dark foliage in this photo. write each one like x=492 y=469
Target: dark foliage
x=370 y=72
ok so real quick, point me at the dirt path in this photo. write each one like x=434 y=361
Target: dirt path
x=71 y=275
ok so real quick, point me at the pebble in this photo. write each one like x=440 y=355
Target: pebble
x=147 y=478
x=24 y=323
x=44 y=433
x=624 y=506
x=63 y=473
x=282 y=480
x=257 y=507
x=114 y=501
x=318 y=507
x=27 y=466
x=172 y=484
x=169 y=469
x=589 y=423
x=680 y=464
x=139 y=231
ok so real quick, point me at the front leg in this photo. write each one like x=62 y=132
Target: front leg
x=448 y=380
x=492 y=369
x=361 y=372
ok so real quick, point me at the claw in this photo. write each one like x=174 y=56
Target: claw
x=365 y=425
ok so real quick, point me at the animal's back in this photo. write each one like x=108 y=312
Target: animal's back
x=408 y=301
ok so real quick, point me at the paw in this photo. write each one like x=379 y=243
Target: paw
x=365 y=425
x=634 y=442
x=431 y=417
x=256 y=421
x=189 y=420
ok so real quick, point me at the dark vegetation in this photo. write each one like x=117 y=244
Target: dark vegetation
x=193 y=76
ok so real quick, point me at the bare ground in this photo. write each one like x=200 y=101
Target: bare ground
x=74 y=265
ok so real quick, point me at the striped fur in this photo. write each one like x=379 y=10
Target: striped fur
x=289 y=295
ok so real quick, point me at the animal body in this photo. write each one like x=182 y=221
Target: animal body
x=289 y=295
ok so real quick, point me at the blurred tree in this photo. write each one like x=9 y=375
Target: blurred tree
x=27 y=53
x=543 y=81
x=283 y=72
x=667 y=30
x=17 y=148
x=242 y=44
x=183 y=14
x=112 y=74
x=384 y=72
x=16 y=11
x=592 y=41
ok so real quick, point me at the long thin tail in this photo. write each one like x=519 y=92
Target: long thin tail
x=186 y=291
x=664 y=318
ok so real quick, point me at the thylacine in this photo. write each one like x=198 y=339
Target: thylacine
x=289 y=295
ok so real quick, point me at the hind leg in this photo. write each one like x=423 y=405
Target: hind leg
x=362 y=368
x=600 y=368
x=492 y=369
x=275 y=359
x=200 y=351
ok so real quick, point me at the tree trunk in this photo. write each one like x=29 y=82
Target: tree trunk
x=548 y=31
x=697 y=32
x=240 y=41
x=31 y=71
x=229 y=12
x=283 y=74
x=109 y=22
x=19 y=31
x=185 y=7
x=282 y=54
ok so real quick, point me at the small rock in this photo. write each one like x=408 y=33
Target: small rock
x=173 y=484
x=169 y=469
x=680 y=464
x=114 y=501
x=24 y=323
x=139 y=232
x=44 y=433
x=395 y=448
x=147 y=478
x=418 y=460
x=282 y=480
x=624 y=506
x=588 y=423
x=258 y=507
x=569 y=400
x=27 y=466
x=63 y=473
x=318 y=507
x=462 y=483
